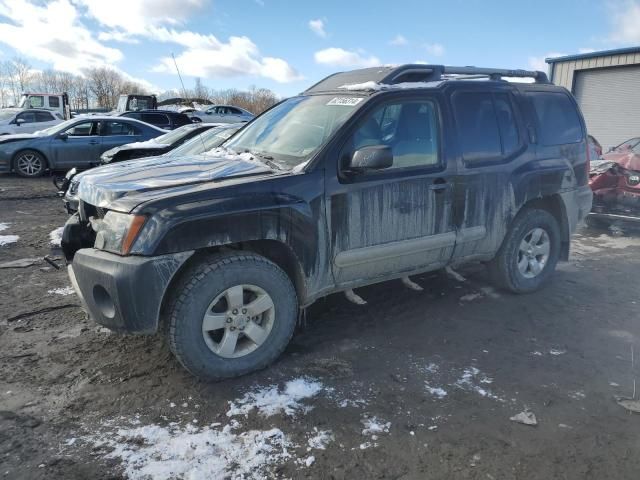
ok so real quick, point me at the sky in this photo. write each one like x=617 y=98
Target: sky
x=288 y=45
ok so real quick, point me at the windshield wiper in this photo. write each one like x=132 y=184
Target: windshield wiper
x=266 y=158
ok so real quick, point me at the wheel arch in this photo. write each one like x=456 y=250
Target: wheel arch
x=556 y=207
x=277 y=252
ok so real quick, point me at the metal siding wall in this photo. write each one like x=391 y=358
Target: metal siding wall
x=565 y=71
x=610 y=102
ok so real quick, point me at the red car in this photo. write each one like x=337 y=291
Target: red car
x=615 y=182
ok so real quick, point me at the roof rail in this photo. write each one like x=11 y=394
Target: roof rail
x=393 y=75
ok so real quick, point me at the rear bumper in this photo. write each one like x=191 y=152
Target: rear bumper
x=613 y=217
x=123 y=293
x=578 y=204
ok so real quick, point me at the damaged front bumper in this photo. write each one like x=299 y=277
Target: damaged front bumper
x=124 y=293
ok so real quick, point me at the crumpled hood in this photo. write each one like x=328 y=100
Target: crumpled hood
x=627 y=160
x=102 y=185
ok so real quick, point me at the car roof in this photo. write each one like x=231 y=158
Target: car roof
x=118 y=118
x=411 y=76
x=169 y=112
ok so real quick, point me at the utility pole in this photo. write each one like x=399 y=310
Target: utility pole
x=184 y=90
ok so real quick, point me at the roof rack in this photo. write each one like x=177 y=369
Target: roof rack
x=393 y=75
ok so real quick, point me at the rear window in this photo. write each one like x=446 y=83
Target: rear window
x=477 y=126
x=155 y=119
x=54 y=102
x=558 y=121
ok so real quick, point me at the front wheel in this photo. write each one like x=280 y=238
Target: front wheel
x=30 y=164
x=230 y=315
x=529 y=253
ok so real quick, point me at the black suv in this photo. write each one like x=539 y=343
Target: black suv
x=367 y=176
x=166 y=119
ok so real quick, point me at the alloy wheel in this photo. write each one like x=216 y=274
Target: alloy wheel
x=238 y=321
x=533 y=252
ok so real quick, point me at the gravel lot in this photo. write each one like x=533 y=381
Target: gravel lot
x=415 y=384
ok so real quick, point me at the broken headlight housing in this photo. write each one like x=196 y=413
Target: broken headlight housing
x=117 y=232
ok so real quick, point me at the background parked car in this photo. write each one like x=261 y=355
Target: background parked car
x=197 y=145
x=594 y=147
x=75 y=143
x=222 y=114
x=156 y=146
x=165 y=119
x=17 y=120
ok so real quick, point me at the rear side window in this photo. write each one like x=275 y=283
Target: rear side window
x=506 y=123
x=558 y=121
x=54 y=102
x=44 y=117
x=477 y=126
x=155 y=119
x=119 y=128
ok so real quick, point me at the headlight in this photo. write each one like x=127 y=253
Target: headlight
x=116 y=232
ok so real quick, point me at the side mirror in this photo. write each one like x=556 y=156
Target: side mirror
x=375 y=157
x=63 y=136
x=20 y=121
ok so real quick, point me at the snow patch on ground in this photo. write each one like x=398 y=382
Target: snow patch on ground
x=373 y=427
x=320 y=439
x=556 y=352
x=8 y=239
x=271 y=400
x=472 y=380
x=164 y=453
x=62 y=291
x=3 y=226
x=583 y=245
x=55 y=237
x=436 y=391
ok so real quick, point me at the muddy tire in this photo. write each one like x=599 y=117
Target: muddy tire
x=231 y=314
x=529 y=253
x=29 y=164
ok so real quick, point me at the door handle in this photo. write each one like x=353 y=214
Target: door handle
x=93 y=142
x=439 y=185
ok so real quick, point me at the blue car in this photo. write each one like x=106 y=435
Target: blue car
x=75 y=143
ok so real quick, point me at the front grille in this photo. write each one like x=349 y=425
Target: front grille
x=73 y=188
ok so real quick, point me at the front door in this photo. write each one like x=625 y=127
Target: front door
x=399 y=219
x=79 y=146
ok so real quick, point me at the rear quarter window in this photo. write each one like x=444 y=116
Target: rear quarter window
x=558 y=120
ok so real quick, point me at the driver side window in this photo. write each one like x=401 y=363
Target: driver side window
x=408 y=127
x=81 y=130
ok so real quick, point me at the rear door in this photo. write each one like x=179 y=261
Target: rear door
x=398 y=219
x=491 y=143
x=45 y=120
x=118 y=132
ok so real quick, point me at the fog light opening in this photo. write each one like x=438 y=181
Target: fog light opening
x=103 y=301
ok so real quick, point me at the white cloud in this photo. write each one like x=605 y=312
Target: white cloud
x=204 y=55
x=317 y=27
x=538 y=63
x=339 y=57
x=625 y=20
x=435 y=49
x=52 y=33
x=134 y=17
x=586 y=50
x=210 y=58
x=399 y=41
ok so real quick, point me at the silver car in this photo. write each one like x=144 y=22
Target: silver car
x=222 y=114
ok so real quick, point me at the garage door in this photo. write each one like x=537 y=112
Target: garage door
x=610 y=102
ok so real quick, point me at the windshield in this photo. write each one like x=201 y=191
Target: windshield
x=7 y=115
x=204 y=141
x=174 y=135
x=58 y=128
x=290 y=133
x=629 y=144
x=122 y=104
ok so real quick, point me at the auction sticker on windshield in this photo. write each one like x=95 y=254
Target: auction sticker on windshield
x=345 y=101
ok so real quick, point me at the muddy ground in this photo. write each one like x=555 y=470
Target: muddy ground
x=441 y=371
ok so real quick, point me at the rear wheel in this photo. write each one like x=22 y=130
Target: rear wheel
x=230 y=315
x=529 y=253
x=29 y=163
